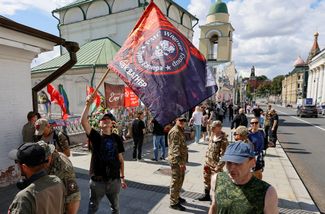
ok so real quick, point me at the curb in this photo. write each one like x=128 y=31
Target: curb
x=302 y=195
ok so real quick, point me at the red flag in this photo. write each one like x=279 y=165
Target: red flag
x=57 y=98
x=130 y=98
x=162 y=67
x=91 y=90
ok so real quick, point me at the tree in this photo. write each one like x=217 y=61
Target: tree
x=261 y=78
x=264 y=89
x=276 y=85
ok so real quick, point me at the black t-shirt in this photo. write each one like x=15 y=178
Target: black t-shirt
x=137 y=128
x=105 y=151
x=273 y=118
x=157 y=128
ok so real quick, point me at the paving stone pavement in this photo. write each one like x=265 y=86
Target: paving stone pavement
x=148 y=182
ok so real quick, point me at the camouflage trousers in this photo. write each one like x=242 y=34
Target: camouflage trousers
x=207 y=174
x=176 y=184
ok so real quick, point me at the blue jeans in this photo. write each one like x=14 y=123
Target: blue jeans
x=197 y=132
x=98 y=189
x=159 y=140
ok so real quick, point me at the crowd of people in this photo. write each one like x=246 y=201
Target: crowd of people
x=232 y=170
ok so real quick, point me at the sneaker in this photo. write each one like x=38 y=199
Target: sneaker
x=161 y=158
x=178 y=206
x=153 y=159
x=181 y=200
x=205 y=197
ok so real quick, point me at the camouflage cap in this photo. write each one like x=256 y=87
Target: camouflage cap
x=216 y=123
x=49 y=148
x=40 y=125
x=242 y=131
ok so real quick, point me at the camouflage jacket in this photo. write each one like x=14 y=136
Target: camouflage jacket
x=177 y=151
x=62 y=167
x=216 y=149
x=267 y=118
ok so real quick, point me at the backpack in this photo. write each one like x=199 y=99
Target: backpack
x=56 y=138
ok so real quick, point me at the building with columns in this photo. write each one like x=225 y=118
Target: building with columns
x=216 y=45
x=316 y=80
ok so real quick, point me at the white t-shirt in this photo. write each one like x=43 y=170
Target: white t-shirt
x=197 y=118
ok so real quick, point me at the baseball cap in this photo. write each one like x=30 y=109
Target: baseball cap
x=40 y=125
x=48 y=148
x=242 y=130
x=31 y=154
x=181 y=118
x=238 y=152
x=216 y=123
x=107 y=115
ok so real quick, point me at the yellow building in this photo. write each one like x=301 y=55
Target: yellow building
x=294 y=85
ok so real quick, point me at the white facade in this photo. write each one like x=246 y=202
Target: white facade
x=17 y=50
x=114 y=19
x=100 y=19
x=316 y=79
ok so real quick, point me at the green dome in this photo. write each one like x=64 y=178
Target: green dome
x=218 y=7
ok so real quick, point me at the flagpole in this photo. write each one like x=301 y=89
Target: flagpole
x=101 y=81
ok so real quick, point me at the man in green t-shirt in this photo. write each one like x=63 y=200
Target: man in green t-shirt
x=237 y=191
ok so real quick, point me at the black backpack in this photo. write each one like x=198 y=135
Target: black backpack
x=56 y=138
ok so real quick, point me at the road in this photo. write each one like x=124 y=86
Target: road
x=303 y=140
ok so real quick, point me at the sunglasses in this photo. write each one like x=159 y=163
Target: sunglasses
x=235 y=134
x=254 y=122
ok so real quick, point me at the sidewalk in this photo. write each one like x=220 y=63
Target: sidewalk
x=148 y=183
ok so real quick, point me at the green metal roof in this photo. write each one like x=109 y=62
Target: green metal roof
x=218 y=7
x=98 y=52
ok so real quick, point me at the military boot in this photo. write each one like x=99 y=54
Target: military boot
x=206 y=196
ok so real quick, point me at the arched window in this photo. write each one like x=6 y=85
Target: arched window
x=213 y=53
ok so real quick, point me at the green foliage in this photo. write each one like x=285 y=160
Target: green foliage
x=263 y=89
x=276 y=86
x=249 y=91
x=261 y=78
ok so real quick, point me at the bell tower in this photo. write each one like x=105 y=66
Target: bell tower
x=216 y=35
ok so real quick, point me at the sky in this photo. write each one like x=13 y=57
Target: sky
x=269 y=34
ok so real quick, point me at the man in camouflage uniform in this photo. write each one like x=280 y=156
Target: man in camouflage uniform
x=44 y=131
x=177 y=156
x=216 y=148
x=30 y=158
x=60 y=165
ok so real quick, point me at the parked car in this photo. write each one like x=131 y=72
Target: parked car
x=307 y=111
x=321 y=109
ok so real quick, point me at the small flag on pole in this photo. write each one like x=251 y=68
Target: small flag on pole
x=96 y=104
x=58 y=99
x=162 y=67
